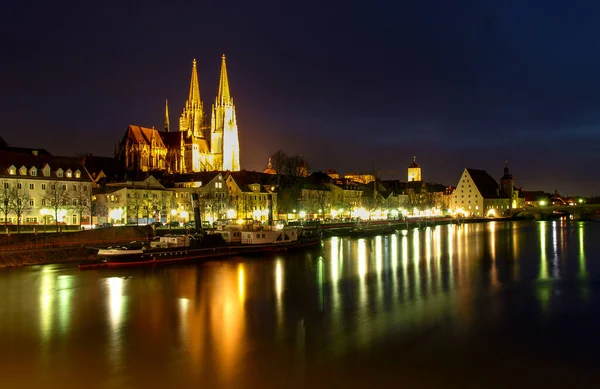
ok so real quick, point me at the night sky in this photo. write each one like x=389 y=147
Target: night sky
x=350 y=85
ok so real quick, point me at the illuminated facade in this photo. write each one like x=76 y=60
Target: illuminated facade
x=360 y=178
x=39 y=188
x=197 y=146
x=478 y=194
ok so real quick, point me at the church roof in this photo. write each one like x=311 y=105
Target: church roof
x=487 y=186
x=143 y=135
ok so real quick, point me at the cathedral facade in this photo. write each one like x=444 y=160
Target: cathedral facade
x=197 y=146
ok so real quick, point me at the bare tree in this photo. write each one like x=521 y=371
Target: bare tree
x=135 y=204
x=151 y=204
x=5 y=201
x=56 y=198
x=279 y=163
x=20 y=201
x=81 y=200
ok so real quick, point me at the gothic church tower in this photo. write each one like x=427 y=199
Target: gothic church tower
x=192 y=117
x=224 y=142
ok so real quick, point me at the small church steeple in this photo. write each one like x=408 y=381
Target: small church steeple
x=414 y=171
x=167 y=126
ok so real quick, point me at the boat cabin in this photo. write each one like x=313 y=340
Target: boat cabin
x=267 y=236
x=171 y=241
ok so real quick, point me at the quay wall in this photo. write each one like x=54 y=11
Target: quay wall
x=19 y=258
x=98 y=236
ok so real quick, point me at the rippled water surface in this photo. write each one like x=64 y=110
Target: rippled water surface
x=496 y=305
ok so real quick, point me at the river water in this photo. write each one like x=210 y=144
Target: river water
x=495 y=305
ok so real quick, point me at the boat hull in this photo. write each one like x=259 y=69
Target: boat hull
x=182 y=254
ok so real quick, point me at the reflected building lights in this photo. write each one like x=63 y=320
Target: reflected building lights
x=279 y=279
x=437 y=253
x=543 y=289
x=241 y=281
x=115 y=303
x=65 y=292
x=416 y=256
x=451 y=235
x=582 y=264
x=555 y=264
x=47 y=285
x=405 y=267
x=115 y=307
x=394 y=263
x=362 y=258
x=335 y=256
x=378 y=255
x=428 y=245
x=543 y=275
x=493 y=268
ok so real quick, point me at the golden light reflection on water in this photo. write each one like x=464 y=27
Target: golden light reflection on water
x=416 y=257
x=494 y=269
x=65 y=293
x=217 y=319
x=46 y=301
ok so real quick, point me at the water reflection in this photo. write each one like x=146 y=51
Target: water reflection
x=225 y=323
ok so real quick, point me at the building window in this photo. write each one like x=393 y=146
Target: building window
x=77 y=174
x=19 y=185
x=43 y=202
x=33 y=172
x=6 y=185
x=74 y=187
x=69 y=174
x=31 y=203
x=53 y=187
x=32 y=186
x=43 y=186
x=64 y=187
x=59 y=174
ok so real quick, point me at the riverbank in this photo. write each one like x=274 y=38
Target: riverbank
x=46 y=256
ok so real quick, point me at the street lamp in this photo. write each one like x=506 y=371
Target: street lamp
x=542 y=203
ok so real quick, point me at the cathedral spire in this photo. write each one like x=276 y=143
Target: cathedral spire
x=194 y=96
x=223 y=96
x=167 y=127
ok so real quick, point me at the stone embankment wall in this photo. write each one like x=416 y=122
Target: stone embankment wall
x=42 y=257
x=21 y=250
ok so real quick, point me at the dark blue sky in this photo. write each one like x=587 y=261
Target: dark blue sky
x=350 y=85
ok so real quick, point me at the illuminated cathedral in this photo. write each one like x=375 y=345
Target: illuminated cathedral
x=197 y=146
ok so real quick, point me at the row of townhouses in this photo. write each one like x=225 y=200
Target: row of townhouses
x=40 y=188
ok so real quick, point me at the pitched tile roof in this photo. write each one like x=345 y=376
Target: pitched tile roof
x=487 y=186
x=143 y=135
x=19 y=157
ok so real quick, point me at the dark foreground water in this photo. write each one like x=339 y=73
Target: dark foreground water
x=498 y=305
